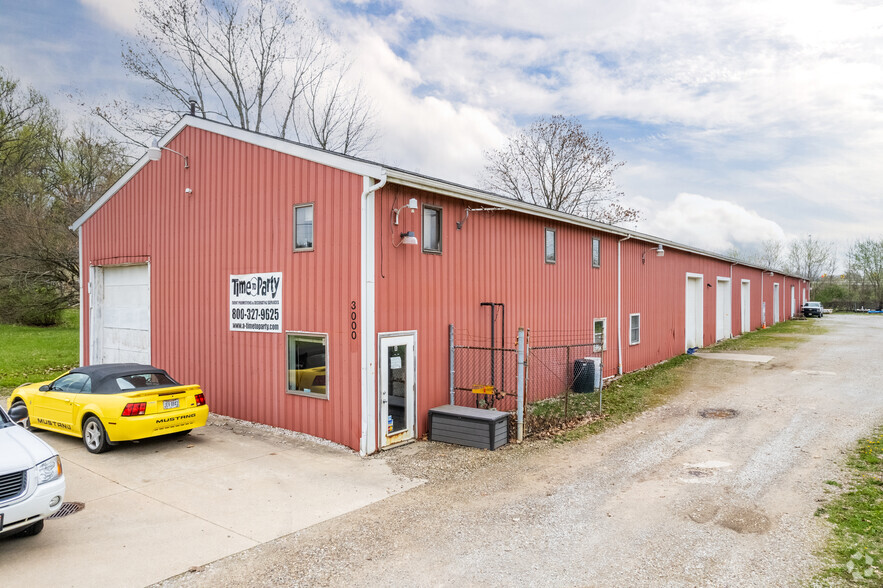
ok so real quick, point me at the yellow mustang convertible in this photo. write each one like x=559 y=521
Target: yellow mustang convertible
x=108 y=403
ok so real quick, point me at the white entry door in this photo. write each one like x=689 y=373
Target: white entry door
x=793 y=301
x=120 y=314
x=723 y=310
x=746 y=306
x=693 y=323
x=398 y=388
x=775 y=303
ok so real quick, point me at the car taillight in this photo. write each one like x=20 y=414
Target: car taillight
x=200 y=399
x=135 y=409
x=319 y=381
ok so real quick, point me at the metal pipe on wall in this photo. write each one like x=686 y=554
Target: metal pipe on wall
x=619 y=303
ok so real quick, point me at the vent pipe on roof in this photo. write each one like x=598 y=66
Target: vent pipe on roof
x=193 y=101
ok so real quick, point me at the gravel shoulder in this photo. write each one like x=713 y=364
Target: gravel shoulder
x=667 y=499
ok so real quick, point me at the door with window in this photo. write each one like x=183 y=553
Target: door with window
x=398 y=388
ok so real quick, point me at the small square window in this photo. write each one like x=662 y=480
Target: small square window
x=600 y=334
x=307 y=364
x=550 y=246
x=634 y=329
x=432 y=242
x=303 y=227
x=596 y=252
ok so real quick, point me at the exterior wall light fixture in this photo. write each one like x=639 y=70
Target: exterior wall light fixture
x=408 y=238
x=660 y=251
x=154 y=152
x=412 y=204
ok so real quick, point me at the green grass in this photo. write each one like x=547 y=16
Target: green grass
x=34 y=354
x=787 y=334
x=855 y=547
x=623 y=399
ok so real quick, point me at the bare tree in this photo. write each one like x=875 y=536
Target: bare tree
x=811 y=257
x=768 y=254
x=555 y=163
x=866 y=267
x=262 y=65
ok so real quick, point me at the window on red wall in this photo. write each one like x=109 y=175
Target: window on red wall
x=432 y=224
x=550 y=246
x=303 y=227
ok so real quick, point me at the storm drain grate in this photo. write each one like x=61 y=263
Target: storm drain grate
x=68 y=508
x=718 y=413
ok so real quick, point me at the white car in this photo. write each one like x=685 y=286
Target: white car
x=31 y=480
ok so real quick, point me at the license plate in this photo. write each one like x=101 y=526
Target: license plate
x=167 y=404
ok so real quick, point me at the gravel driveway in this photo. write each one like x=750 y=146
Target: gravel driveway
x=669 y=499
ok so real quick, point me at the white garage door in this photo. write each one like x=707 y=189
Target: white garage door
x=121 y=314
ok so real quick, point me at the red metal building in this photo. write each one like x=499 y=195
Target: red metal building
x=279 y=277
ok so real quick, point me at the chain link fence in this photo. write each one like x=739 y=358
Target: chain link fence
x=562 y=381
x=563 y=384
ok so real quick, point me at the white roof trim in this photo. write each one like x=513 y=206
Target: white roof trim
x=328 y=158
x=445 y=188
x=366 y=168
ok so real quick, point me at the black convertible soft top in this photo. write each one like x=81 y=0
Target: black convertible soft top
x=104 y=375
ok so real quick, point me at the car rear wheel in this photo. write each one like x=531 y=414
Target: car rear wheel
x=94 y=436
x=32 y=530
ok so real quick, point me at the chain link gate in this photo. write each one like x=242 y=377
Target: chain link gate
x=564 y=383
x=560 y=382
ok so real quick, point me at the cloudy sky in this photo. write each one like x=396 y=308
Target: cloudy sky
x=738 y=121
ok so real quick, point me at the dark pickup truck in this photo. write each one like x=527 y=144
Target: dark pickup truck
x=813 y=309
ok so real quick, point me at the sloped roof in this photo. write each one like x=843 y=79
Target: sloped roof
x=393 y=175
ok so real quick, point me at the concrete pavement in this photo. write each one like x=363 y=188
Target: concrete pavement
x=159 y=507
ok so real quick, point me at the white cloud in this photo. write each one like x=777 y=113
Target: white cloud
x=706 y=223
x=118 y=15
x=425 y=134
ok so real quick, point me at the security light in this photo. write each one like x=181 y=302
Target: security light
x=154 y=153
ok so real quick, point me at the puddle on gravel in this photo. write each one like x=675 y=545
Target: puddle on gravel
x=718 y=413
x=741 y=519
x=744 y=520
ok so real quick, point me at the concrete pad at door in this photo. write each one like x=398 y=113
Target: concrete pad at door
x=736 y=357
x=155 y=509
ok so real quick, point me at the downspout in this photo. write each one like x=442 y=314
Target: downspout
x=368 y=307
x=619 y=303
x=731 y=303
x=762 y=303
x=84 y=292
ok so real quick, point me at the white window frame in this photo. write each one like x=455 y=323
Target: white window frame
x=631 y=340
x=554 y=258
x=603 y=322
x=596 y=241
x=288 y=390
x=426 y=249
x=294 y=226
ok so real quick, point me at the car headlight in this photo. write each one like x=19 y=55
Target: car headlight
x=49 y=470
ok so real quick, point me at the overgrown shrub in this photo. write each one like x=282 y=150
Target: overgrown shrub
x=33 y=305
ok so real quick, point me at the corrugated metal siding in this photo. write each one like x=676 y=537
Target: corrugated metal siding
x=496 y=257
x=239 y=220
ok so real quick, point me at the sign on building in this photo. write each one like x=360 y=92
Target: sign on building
x=256 y=302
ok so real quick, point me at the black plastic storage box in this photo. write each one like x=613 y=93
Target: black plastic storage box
x=472 y=427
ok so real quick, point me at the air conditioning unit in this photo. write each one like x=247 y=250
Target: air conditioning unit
x=586 y=375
